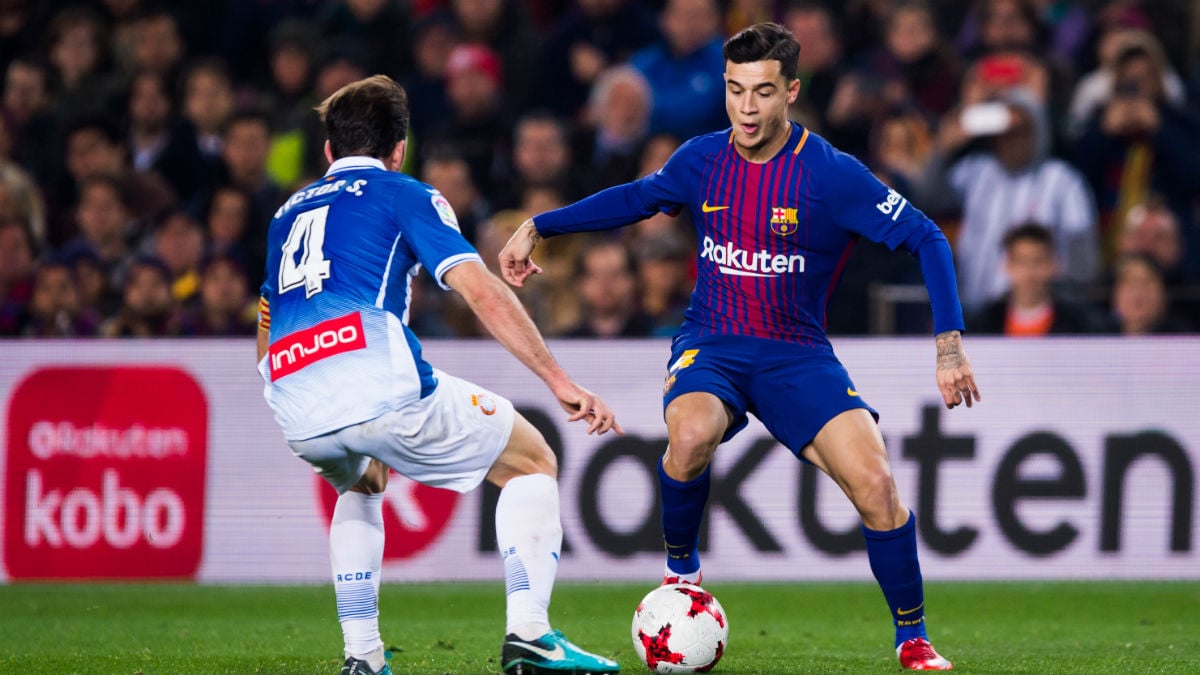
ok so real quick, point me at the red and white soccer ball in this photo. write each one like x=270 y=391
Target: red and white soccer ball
x=680 y=628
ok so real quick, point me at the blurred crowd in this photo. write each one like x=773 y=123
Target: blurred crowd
x=144 y=147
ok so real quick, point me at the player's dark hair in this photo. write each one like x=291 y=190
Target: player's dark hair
x=368 y=117
x=765 y=42
x=1030 y=231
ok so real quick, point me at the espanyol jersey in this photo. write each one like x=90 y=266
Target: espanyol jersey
x=773 y=237
x=341 y=256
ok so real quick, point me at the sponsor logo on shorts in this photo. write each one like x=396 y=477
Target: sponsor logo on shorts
x=304 y=348
x=485 y=403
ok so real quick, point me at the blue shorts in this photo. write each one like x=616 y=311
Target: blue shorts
x=793 y=389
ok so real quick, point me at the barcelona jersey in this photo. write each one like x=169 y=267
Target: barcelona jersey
x=773 y=237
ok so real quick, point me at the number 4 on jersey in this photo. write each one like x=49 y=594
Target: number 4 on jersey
x=308 y=232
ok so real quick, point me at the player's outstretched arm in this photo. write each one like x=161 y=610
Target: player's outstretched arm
x=955 y=378
x=504 y=316
x=516 y=262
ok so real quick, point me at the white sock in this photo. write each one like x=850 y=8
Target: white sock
x=529 y=534
x=693 y=578
x=356 y=555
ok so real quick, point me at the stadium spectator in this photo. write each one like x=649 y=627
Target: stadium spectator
x=20 y=28
x=1139 y=301
x=539 y=196
x=154 y=44
x=741 y=14
x=684 y=69
x=1095 y=89
x=159 y=141
x=504 y=28
x=1137 y=143
x=31 y=120
x=97 y=292
x=434 y=37
x=916 y=57
x=1031 y=307
x=1013 y=180
x=606 y=282
x=292 y=66
x=655 y=153
x=95 y=148
x=178 y=242
x=479 y=126
x=17 y=254
x=339 y=62
x=821 y=61
x=247 y=144
x=224 y=306
x=20 y=198
x=77 y=50
x=55 y=309
x=147 y=308
x=618 y=119
x=913 y=67
x=227 y=225
x=541 y=156
x=450 y=173
x=1151 y=228
x=105 y=225
x=901 y=149
x=593 y=37
x=208 y=100
x=665 y=281
x=375 y=25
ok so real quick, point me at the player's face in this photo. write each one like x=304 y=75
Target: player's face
x=756 y=100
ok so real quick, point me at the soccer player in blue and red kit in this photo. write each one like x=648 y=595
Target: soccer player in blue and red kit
x=777 y=210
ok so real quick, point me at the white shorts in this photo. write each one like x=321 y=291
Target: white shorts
x=449 y=439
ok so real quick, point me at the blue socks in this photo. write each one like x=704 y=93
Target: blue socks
x=682 y=510
x=893 y=556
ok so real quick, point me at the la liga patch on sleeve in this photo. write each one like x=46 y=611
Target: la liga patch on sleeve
x=444 y=211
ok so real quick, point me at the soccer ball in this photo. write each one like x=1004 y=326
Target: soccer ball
x=680 y=628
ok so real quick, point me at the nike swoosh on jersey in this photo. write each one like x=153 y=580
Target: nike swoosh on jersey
x=903 y=612
x=553 y=655
x=709 y=209
x=851 y=392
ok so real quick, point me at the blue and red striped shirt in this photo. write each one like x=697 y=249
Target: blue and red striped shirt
x=773 y=237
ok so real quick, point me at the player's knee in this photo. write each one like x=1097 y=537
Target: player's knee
x=876 y=498
x=374 y=480
x=689 y=453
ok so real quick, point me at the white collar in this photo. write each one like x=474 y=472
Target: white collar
x=356 y=162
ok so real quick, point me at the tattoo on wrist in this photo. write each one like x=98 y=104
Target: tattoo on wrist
x=949 y=350
x=534 y=237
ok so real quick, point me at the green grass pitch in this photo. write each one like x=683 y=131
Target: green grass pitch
x=1127 y=628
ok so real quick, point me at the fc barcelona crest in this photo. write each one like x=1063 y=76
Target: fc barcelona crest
x=783 y=221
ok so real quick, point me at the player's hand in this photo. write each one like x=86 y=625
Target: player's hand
x=585 y=405
x=516 y=263
x=955 y=378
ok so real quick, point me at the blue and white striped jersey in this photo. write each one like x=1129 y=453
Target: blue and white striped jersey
x=341 y=256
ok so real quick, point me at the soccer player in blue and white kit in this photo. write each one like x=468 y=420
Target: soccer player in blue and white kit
x=777 y=210
x=346 y=380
